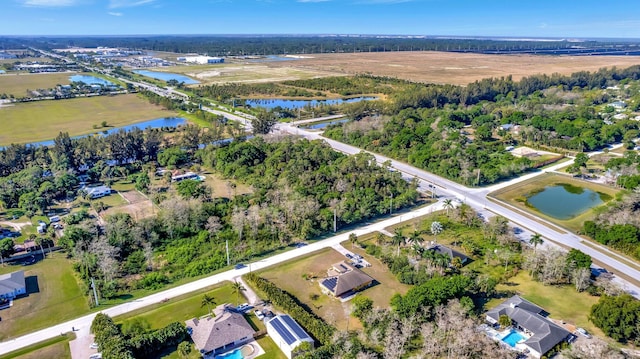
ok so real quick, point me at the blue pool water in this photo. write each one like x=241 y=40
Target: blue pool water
x=513 y=338
x=166 y=76
x=89 y=80
x=236 y=354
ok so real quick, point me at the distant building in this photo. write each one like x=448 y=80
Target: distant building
x=287 y=334
x=220 y=333
x=542 y=334
x=344 y=280
x=618 y=105
x=201 y=59
x=444 y=250
x=184 y=176
x=97 y=192
x=7 y=56
x=12 y=285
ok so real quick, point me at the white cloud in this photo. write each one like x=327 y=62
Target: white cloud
x=114 y=13
x=115 y=4
x=49 y=3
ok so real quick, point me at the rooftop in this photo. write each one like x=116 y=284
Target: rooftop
x=11 y=281
x=352 y=278
x=224 y=328
x=289 y=330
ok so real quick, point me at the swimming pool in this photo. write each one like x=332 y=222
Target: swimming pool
x=513 y=338
x=236 y=354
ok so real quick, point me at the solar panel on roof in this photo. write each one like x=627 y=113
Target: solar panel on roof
x=297 y=329
x=330 y=283
x=284 y=332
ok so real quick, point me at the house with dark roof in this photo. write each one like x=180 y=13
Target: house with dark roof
x=451 y=253
x=541 y=334
x=344 y=279
x=219 y=333
x=287 y=334
x=12 y=285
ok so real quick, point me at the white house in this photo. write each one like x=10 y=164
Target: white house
x=287 y=334
x=201 y=59
x=12 y=285
x=97 y=192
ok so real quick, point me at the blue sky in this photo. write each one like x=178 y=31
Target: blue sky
x=523 y=18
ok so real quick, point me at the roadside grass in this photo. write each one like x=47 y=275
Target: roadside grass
x=289 y=277
x=54 y=296
x=516 y=195
x=18 y=84
x=43 y=120
x=560 y=301
x=25 y=59
x=57 y=347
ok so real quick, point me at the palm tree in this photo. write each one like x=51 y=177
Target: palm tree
x=447 y=204
x=416 y=238
x=536 y=240
x=237 y=288
x=397 y=239
x=380 y=238
x=504 y=321
x=207 y=301
x=436 y=228
x=353 y=238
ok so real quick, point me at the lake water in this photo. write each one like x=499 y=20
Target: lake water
x=166 y=76
x=90 y=80
x=157 y=123
x=295 y=104
x=321 y=125
x=564 y=201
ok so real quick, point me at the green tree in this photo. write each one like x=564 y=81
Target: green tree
x=207 y=301
x=504 y=321
x=436 y=228
x=6 y=248
x=143 y=182
x=237 y=288
x=578 y=259
x=397 y=239
x=353 y=238
x=263 y=121
x=361 y=306
x=447 y=204
x=536 y=240
x=618 y=317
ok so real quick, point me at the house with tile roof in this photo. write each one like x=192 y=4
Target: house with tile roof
x=219 y=333
x=541 y=333
x=344 y=279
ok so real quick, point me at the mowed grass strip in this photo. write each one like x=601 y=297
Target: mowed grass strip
x=18 y=84
x=517 y=194
x=43 y=120
x=57 y=347
x=54 y=297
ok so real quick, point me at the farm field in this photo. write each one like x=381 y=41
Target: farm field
x=43 y=120
x=419 y=66
x=516 y=195
x=289 y=276
x=52 y=288
x=18 y=84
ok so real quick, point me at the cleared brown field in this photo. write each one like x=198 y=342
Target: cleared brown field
x=18 y=84
x=446 y=67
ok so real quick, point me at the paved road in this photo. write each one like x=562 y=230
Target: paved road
x=83 y=323
x=476 y=198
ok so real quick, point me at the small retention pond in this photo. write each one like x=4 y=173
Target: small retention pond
x=166 y=76
x=564 y=201
x=323 y=124
x=295 y=104
x=90 y=80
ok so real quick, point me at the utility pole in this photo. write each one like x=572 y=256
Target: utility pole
x=95 y=293
x=391 y=204
x=227 y=245
x=335 y=220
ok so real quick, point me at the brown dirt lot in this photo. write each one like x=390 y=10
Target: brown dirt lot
x=452 y=68
x=138 y=207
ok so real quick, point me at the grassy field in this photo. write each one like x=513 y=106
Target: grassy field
x=562 y=302
x=18 y=84
x=288 y=276
x=516 y=196
x=223 y=188
x=54 y=296
x=57 y=347
x=43 y=120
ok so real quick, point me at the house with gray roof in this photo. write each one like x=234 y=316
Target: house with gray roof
x=451 y=253
x=219 y=333
x=543 y=334
x=12 y=285
x=344 y=279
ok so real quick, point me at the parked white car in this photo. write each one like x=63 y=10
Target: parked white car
x=93 y=346
x=583 y=332
x=258 y=314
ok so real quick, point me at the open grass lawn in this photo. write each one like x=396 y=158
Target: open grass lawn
x=54 y=296
x=271 y=349
x=221 y=187
x=561 y=302
x=18 y=84
x=516 y=195
x=43 y=120
x=288 y=276
x=57 y=347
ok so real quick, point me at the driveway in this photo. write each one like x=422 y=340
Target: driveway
x=80 y=346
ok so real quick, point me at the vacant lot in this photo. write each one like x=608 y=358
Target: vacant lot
x=43 y=120
x=420 y=66
x=289 y=276
x=18 y=84
x=54 y=296
x=517 y=195
x=133 y=203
